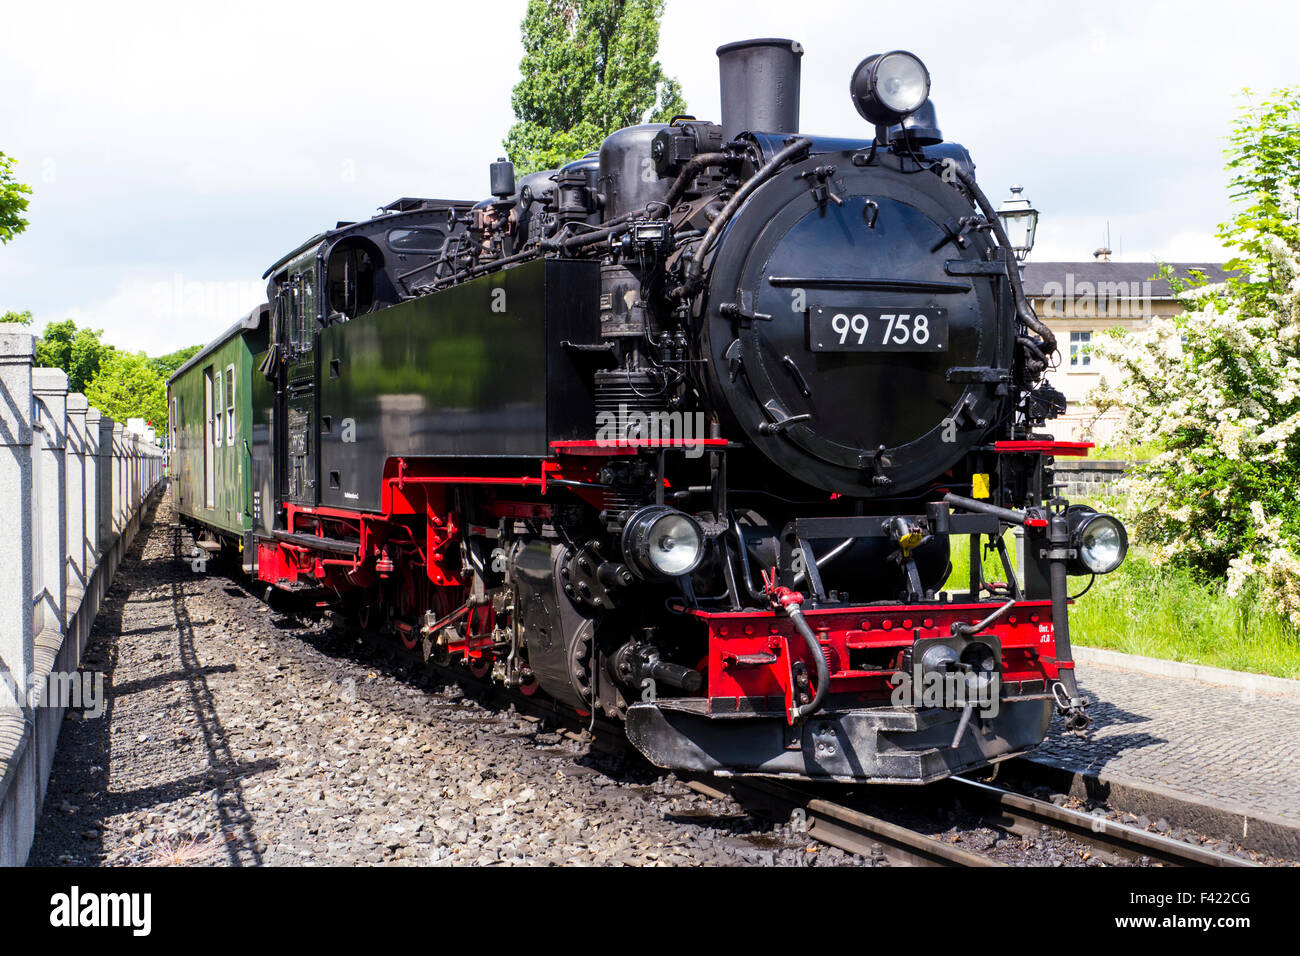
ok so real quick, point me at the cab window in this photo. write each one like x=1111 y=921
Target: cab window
x=306 y=308
x=419 y=239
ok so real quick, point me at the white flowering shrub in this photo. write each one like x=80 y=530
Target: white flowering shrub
x=1218 y=387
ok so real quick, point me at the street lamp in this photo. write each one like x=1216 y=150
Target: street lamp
x=1019 y=221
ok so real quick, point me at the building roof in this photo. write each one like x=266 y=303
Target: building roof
x=1037 y=276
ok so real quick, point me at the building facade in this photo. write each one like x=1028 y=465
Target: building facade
x=1080 y=300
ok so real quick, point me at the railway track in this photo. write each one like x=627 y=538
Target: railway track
x=842 y=826
x=1017 y=813
x=853 y=829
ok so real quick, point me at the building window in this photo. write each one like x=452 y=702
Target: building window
x=1079 y=347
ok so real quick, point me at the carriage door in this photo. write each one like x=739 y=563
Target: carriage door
x=209 y=441
x=300 y=397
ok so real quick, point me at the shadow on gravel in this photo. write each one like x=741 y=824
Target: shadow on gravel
x=78 y=800
x=223 y=768
x=81 y=800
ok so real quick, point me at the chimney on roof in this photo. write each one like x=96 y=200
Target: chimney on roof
x=1102 y=254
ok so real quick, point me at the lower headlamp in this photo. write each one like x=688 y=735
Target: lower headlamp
x=662 y=542
x=1099 y=540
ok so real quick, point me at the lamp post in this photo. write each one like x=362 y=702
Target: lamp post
x=1019 y=221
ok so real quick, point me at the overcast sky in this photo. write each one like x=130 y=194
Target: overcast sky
x=177 y=150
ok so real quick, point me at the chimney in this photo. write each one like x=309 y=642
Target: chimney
x=760 y=86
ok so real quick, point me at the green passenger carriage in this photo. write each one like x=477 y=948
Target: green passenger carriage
x=210 y=429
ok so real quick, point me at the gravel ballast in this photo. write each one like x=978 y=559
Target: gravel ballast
x=237 y=735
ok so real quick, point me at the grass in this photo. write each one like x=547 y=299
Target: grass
x=1163 y=612
x=163 y=851
x=1126 y=451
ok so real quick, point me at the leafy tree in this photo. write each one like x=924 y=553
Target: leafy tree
x=13 y=200
x=128 y=385
x=169 y=363
x=589 y=68
x=79 y=352
x=1266 y=182
x=17 y=318
x=1219 y=386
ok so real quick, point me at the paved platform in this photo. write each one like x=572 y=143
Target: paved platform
x=1216 y=743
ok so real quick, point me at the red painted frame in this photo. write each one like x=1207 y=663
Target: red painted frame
x=751 y=653
x=1076 y=449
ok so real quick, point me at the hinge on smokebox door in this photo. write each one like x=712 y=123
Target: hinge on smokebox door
x=819 y=184
x=781 y=419
x=742 y=310
x=877 y=461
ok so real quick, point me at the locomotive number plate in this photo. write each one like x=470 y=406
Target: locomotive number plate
x=877 y=330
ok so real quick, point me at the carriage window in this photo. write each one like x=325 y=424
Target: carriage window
x=230 y=404
x=216 y=413
x=415 y=240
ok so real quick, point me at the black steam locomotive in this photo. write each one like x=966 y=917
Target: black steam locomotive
x=681 y=433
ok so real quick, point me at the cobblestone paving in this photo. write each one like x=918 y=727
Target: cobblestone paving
x=1214 y=742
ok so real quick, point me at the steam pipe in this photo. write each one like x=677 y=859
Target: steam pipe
x=695 y=267
x=613 y=226
x=788 y=599
x=982 y=507
x=819 y=660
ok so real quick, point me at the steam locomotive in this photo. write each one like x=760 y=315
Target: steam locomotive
x=683 y=433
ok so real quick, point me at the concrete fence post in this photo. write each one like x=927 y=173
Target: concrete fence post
x=38 y=525
x=91 y=543
x=119 y=499
x=17 y=584
x=105 y=497
x=130 y=473
x=75 y=498
x=50 y=388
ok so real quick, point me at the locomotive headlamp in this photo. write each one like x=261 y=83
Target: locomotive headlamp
x=889 y=86
x=1100 y=540
x=659 y=541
